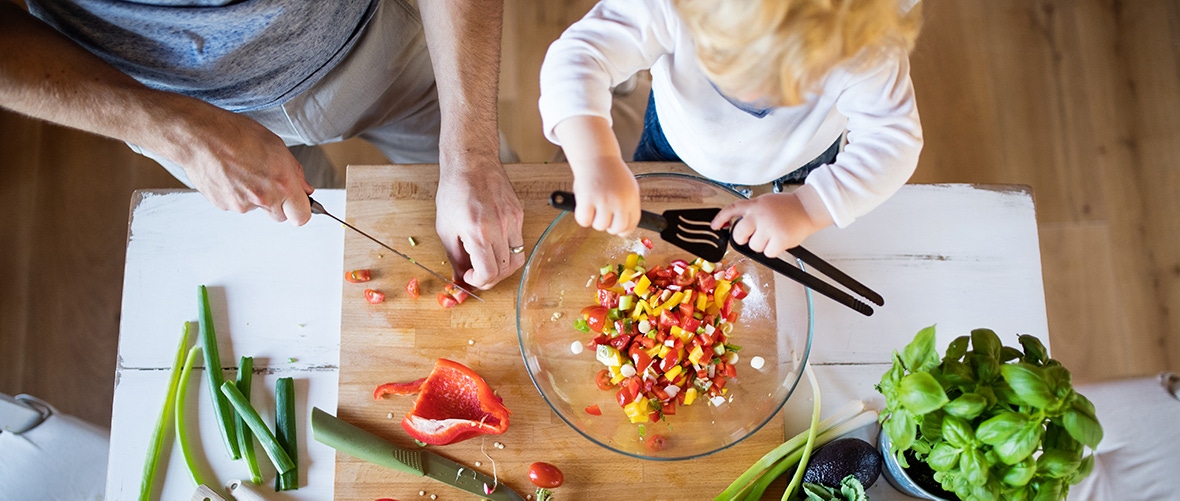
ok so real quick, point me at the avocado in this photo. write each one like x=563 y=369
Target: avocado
x=840 y=458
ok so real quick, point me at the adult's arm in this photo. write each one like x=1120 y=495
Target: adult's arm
x=479 y=216
x=235 y=162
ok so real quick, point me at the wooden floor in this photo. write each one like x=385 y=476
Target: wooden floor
x=1080 y=99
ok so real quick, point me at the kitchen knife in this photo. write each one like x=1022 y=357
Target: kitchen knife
x=347 y=438
x=317 y=208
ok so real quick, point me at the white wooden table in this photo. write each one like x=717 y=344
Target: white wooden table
x=958 y=256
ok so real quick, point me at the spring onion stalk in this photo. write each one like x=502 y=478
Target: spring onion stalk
x=863 y=419
x=743 y=482
x=274 y=451
x=245 y=437
x=181 y=436
x=213 y=375
x=157 y=440
x=810 y=438
x=285 y=432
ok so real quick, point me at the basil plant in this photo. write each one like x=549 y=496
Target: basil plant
x=991 y=421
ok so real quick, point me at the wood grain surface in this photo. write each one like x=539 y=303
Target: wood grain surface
x=399 y=340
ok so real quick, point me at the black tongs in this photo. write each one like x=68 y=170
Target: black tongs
x=690 y=230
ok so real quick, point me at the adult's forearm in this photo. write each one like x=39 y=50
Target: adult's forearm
x=464 y=42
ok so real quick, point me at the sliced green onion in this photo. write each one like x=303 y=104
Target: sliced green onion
x=157 y=440
x=213 y=375
x=245 y=437
x=181 y=436
x=810 y=438
x=285 y=432
x=277 y=455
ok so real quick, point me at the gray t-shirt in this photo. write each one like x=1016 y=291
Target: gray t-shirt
x=236 y=54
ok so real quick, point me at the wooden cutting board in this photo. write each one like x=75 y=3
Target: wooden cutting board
x=400 y=339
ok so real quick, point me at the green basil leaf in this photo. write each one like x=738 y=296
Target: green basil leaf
x=901 y=429
x=1020 y=473
x=1084 y=469
x=1083 y=428
x=957 y=373
x=1000 y=427
x=987 y=369
x=1018 y=494
x=1021 y=444
x=986 y=342
x=889 y=381
x=1034 y=352
x=1056 y=463
x=852 y=489
x=920 y=393
x=943 y=457
x=957 y=349
x=974 y=467
x=1056 y=437
x=987 y=492
x=920 y=355
x=817 y=492
x=957 y=432
x=931 y=425
x=1050 y=490
x=1082 y=404
x=966 y=406
x=1029 y=384
x=1008 y=354
x=1058 y=379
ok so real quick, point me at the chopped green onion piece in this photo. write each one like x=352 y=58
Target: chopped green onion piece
x=181 y=436
x=285 y=432
x=420 y=443
x=157 y=440
x=274 y=451
x=604 y=270
x=245 y=437
x=213 y=374
x=581 y=325
x=810 y=437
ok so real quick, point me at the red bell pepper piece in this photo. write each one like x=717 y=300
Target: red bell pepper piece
x=454 y=404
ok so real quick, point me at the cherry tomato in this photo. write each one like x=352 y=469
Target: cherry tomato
x=545 y=475
x=730 y=273
x=595 y=317
x=460 y=295
x=647 y=242
x=412 y=288
x=446 y=300
x=373 y=296
x=593 y=410
x=603 y=380
x=607 y=281
x=358 y=276
x=656 y=443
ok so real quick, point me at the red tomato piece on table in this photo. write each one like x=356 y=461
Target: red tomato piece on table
x=545 y=475
x=602 y=379
x=412 y=288
x=458 y=294
x=593 y=410
x=656 y=443
x=358 y=276
x=647 y=242
x=446 y=300
x=374 y=296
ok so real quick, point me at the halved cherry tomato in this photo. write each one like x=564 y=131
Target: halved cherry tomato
x=656 y=443
x=446 y=300
x=412 y=288
x=595 y=317
x=373 y=296
x=545 y=475
x=460 y=295
x=602 y=379
x=730 y=273
x=607 y=281
x=358 y=276
x=593 y=410
x=647 y=242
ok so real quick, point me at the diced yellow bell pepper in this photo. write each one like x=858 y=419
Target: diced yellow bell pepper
x=690 y=396
x=695 y=355
x=628 y=275
x=673 y=372
x=688 y=297
x=721 y=292
x=631 y=262
x=654 y=350
x=637 y=410
x=664 y=351
x=702 y=301
x=641 y=287
x=673 y=301
x=640 y=308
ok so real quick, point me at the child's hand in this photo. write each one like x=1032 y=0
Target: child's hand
x=607 y=195
x=769 y=224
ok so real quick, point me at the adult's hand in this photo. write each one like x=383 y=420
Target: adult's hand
x=479 y=216
x=235 y=162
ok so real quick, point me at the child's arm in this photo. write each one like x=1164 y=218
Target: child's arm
x=606 y=192
x=774 y=222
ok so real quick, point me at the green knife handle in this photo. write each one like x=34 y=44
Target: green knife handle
x=347 y=438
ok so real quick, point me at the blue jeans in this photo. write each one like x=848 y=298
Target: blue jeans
x=653 y=147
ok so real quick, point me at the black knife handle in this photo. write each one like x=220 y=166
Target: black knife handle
x=565 y=200
x=808 y=280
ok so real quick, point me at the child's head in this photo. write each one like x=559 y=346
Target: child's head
x=779 y=50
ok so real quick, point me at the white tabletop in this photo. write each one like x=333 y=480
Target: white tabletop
x=958 y=256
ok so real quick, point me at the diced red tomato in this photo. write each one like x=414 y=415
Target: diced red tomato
x=374 y=296
x=593 y=410
x=607 y=281
x=642 y=360
x=739 y=291
x=608 y=298
x=460 y=295
x=656 y=443
x=446 y=300
x=647 y=242
x=730 y=272
x=706 y=282
x=595 y=317
x=412 y=288
x=358 y=276
x=668 y=408
x=602 y=379
x=620 y=342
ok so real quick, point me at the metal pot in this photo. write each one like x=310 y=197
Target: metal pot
x=896 y=475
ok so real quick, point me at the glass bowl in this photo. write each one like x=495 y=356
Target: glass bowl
x=774 y=323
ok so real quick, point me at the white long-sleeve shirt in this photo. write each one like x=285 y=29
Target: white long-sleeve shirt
x=873 y=101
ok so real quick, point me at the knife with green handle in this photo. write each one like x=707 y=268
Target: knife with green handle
x=347 y=438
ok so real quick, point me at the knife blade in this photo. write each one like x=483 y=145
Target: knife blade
x=317 y=208
x=349 y=439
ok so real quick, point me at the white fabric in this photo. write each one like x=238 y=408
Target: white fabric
x=63 y=458
x=719 y=140
x=1136 y=459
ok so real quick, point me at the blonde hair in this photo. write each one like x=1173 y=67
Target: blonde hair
x=785 y=48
